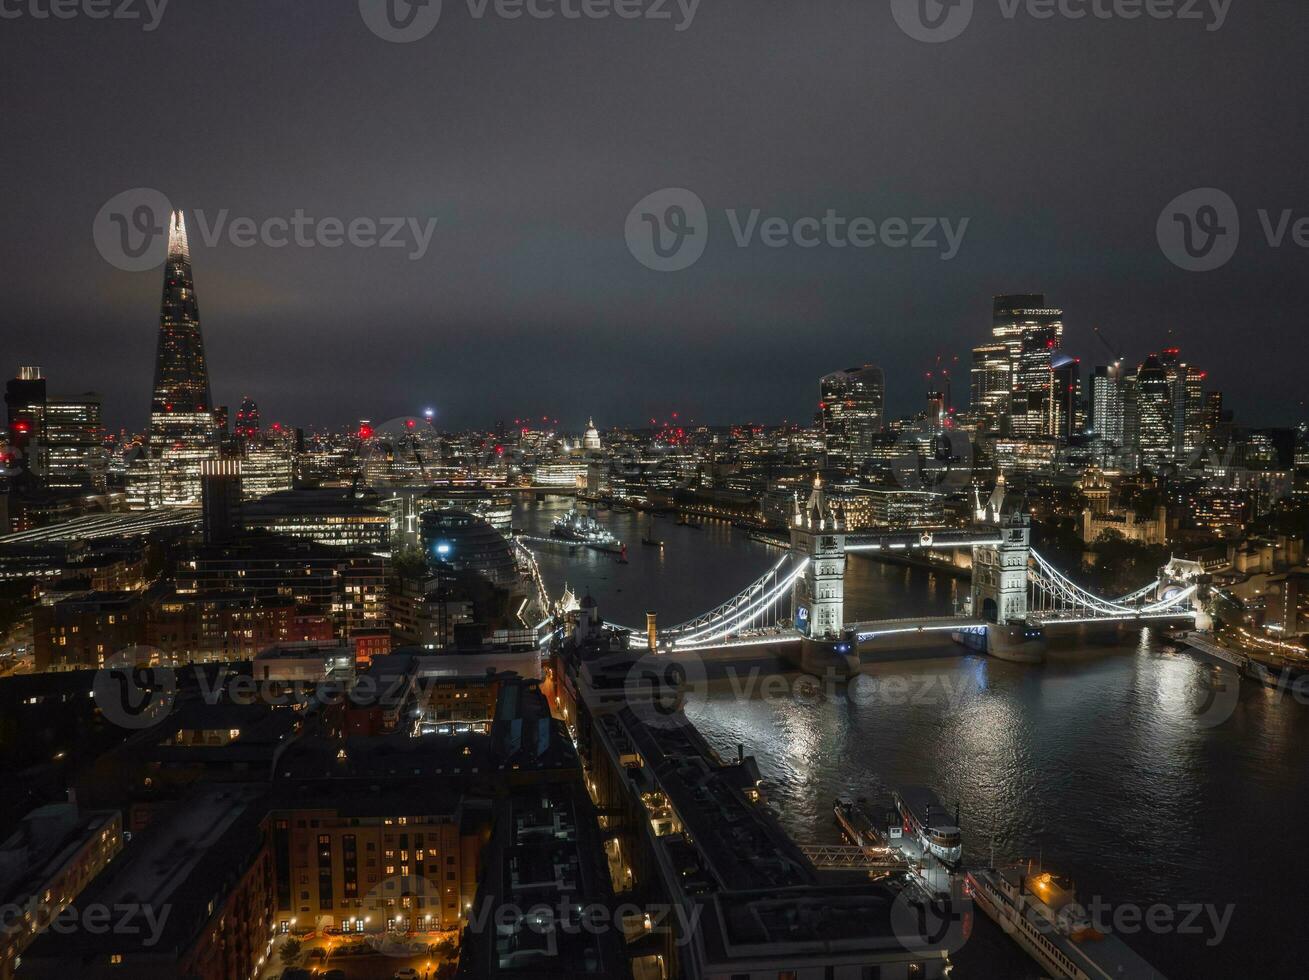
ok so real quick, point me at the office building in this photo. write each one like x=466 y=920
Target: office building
x=1032 y=334
x=1108 y=409
x=851 y=404
x=992 y=383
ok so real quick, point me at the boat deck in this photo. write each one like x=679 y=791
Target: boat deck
x=1097 y=955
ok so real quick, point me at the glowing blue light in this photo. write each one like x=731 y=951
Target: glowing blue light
x=443 y=548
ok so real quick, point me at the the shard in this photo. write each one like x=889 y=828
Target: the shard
x=183 y=430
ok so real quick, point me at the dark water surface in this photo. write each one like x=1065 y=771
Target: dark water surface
x=1100 y=762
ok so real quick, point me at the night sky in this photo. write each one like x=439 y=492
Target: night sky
x=530 y=141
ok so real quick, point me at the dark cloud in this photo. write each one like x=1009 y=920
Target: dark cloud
x=530 y=141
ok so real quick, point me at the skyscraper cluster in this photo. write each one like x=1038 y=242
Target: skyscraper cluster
x=57 y=441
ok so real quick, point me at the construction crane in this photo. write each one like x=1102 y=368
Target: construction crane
x=1099 y=335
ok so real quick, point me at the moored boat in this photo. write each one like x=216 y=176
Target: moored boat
x=1040 y=912
x=931 y=824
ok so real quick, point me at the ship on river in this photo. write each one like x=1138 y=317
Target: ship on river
x=578 y=528
x=1040 y=912
x=931 y=824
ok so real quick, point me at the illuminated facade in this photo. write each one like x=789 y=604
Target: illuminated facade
x=1107 y=403
x=1154 y=413
x=183 y=432
x=1032 y=334
x=818 y=597
x=851 y=402
x=991 y=384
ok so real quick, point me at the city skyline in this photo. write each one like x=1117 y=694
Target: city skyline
x=652 y=489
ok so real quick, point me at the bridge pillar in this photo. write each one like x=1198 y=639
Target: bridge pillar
x=818 y=596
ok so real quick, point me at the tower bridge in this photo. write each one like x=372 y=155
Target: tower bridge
x=1016 y=598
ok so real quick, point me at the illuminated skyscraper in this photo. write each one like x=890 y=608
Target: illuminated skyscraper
x=1154 y=413
x=851 y=403
x=183 y=432
x=1186 y=392
x=1033 y=335
x=59 y=440
x=991 y=384
x=74 y=455
x=1064 y=403
x=1108 y=406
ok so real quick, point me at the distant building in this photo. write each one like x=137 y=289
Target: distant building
x=992 y=383
x=183 y=429
x=1107 y=404
x=1032 y=334
x=851 y=405
x=466 y=542
x=247 y=421
x=267 y=470
x=337 y=517
x=591 y=440
x=220 y=487
x=61 y=441
x=1154 y=413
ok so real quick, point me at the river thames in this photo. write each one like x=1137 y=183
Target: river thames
x=1111 y=763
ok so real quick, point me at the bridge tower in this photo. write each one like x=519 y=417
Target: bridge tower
x=999 y=590
x=818 y=596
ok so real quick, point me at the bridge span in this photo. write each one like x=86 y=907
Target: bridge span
x=1017 y=596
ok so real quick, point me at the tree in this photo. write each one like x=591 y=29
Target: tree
x=290 y=952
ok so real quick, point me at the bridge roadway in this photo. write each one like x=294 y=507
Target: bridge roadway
x=865 y=632
x=926 y=540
